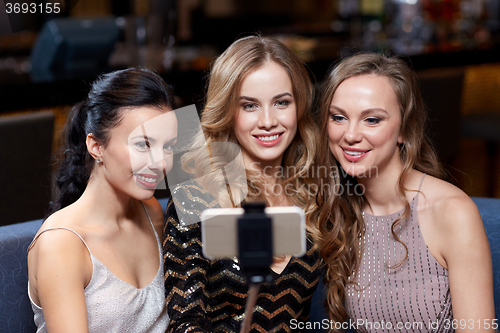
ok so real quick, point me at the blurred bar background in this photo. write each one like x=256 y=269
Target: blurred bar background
x=47 y=61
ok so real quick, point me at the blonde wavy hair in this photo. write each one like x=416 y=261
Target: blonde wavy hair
x=218 y=120
x=341 y=224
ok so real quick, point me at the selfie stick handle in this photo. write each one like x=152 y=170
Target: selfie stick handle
x=253 y=293
x=255 y=252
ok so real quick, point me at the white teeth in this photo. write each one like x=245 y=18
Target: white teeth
x=147 y=179
x=354 y=153
x=268 y=138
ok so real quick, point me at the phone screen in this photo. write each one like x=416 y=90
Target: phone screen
x=219 y=231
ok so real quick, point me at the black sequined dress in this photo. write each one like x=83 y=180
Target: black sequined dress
x=205 y=295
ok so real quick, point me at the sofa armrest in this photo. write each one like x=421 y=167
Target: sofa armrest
x=163 y=202
x=16 y=314
x=490 y=213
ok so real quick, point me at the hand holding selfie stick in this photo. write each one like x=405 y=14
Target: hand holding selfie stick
x=255 y=248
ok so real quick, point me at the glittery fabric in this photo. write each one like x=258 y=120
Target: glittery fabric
x=205 y=295
x=414 y=297
x=113 y=305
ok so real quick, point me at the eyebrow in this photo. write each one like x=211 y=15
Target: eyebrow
x=151 y=139
x=363 y=113
x=140 y=137
x=252 y=99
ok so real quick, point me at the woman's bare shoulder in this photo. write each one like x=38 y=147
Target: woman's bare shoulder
x=444 y=198
x=61 y=231
x=452 y=211
x=69 y=217
x=64 y=219
x=57 y=247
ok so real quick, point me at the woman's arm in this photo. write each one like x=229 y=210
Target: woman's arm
x=466 y=250
x=61 y=265
x=185 y=275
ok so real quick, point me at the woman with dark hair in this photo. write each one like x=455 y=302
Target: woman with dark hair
x=259 y=100
x=404 y=250
x=96 y=265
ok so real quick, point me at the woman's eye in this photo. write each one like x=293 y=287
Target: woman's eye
x=169 y=148
x=142 y=145
x=337 y=118
x=282 y=104
x=249 y=106
x=373 y=120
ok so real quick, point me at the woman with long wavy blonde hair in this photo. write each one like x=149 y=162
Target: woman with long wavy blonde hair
x=259 y=99
x=401 y=246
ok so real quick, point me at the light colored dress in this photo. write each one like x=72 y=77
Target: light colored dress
x=113 y=305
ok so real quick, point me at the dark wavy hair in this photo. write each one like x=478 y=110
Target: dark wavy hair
x=101 y=111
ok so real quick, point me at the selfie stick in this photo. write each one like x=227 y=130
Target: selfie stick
x=255 y=248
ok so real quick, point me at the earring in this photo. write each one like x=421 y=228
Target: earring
x=98 y=161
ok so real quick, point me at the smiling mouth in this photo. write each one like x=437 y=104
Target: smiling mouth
x=268 y=138
x=354 y=153
x=151 y=180
x=354 y=156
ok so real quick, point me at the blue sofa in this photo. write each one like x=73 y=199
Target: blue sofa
x=16 y=315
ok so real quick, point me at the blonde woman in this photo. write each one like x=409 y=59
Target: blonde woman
x=405 y=250
x=259 y=98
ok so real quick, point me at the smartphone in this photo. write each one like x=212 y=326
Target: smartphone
x=219 y=231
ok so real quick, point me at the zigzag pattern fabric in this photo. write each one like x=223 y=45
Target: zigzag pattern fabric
x=205 y=295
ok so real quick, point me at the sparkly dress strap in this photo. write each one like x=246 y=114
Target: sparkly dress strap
x=57 y=228
x=419 y=187
x=152 y=225
x=421 y=181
